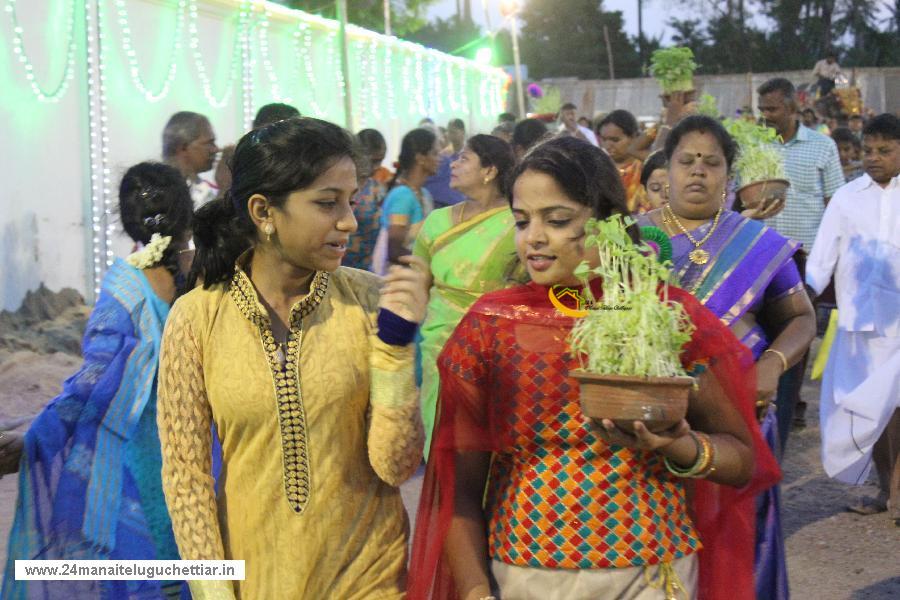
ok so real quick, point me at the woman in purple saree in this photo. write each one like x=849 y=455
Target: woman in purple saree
x=744 y=273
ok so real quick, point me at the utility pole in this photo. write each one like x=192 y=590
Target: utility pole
x=520 y=92
x=345 y=63
x=487 y=15
x=387 y=17
x=609 y=54
x=641 y=32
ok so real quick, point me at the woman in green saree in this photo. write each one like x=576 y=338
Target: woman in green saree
x=470 y=250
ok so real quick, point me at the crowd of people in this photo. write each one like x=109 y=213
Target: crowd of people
x=291 y=339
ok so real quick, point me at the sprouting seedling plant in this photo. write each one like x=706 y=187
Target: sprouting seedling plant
x=674 y=69
x=634 y=331
x=708 y=106
x=550 y=102
x=758 y=158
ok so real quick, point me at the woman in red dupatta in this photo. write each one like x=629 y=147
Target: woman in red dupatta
x=522 y=492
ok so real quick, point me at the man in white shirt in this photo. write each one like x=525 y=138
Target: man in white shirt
x=813 y=166
x=568 y=124
x=826 y=71
x=189 y=145
x=859 y=242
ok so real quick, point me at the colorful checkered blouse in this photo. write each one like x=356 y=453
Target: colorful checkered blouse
x=559 y=496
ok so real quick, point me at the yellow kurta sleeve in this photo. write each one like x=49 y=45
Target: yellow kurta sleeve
x=184 y=420
x=396 y=436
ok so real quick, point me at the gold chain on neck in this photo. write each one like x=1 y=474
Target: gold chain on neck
x=697 y=256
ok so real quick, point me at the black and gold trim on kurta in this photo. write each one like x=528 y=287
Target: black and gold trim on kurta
x=286 y=378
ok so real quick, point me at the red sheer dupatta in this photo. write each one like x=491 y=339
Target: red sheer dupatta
x=725 y=517
x=475 y=407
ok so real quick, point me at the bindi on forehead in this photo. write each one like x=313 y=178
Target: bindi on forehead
x=701 y=155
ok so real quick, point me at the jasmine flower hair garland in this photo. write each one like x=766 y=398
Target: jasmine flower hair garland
x=150 y=254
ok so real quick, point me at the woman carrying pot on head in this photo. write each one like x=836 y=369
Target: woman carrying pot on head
x=89 y=477
x=745 y=274
x=408 y=202
x=469 y=249
x=306 y=369
x=572 y=508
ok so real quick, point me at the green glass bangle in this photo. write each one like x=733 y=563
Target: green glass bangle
x=694 y=468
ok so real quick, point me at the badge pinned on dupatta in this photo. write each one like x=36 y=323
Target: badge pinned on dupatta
x=658 y=241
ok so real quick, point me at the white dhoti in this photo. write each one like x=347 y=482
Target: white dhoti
x=860 y=391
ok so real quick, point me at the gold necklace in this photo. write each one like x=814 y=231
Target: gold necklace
x=698 y=255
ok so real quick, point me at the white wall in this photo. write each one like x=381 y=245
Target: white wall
x=42 y=167
x=47 y=200
x=641 y=96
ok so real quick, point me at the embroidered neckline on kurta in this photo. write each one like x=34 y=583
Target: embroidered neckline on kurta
x=286 y=377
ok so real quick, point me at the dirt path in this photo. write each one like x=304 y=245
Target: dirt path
x=832 y=554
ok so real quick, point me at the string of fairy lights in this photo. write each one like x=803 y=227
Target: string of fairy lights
x=130 y=52
x=98 y=241
x=240 y=47
x=303 y=48
x=431 y=83
x=278 y=89
x=21 y=54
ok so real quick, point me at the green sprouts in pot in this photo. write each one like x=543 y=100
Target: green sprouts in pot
x=631 y=330
x=708 y=106
x=550 y=102
x=674 y=69
x=758 y=158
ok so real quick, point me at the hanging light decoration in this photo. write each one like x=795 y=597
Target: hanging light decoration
x=239 y=49
x=131 y=55
x=18 y=45
x=303 y=48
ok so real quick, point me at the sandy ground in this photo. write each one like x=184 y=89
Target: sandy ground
x=832 y=554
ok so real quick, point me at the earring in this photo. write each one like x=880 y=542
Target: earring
x=724 y=196
x=268 y=229
x=487 y=180
x=667 y=189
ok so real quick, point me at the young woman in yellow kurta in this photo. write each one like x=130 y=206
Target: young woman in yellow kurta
x=306 y=370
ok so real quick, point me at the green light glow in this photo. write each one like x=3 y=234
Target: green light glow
x=484 y=56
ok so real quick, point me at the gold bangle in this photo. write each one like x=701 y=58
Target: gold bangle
x=704 y=466
x=709 y=467
x=700 y=463
x=784 y=362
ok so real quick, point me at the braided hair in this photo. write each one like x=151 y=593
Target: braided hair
x=416 y=142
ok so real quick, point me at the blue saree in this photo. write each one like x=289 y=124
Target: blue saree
x=749 y=265
x=89 y=480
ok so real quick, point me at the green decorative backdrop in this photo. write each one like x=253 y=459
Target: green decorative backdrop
x=110 y=72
